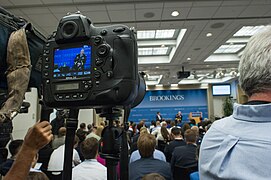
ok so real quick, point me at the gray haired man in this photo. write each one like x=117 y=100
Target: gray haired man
x=238 y=147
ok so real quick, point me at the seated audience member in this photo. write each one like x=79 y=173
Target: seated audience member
x=36 y=138
x=185 y=156
x=162 y=138
x=135 y=139
x=36 y=176
x=81 y=133
x=184 y=128
x=192 y=122
x=153 y=125
x=90 y=168
x=57 y=158
x=178 y=141
x=93 y=134
x=156 y=154
x=156 y=128
x=60 y=139
x=14 y=147
x=153 y=176
x=238 y=146
x=89 y=128
x=196 y=130
x=147 y=164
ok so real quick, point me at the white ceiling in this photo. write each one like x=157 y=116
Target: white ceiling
x=197 y=16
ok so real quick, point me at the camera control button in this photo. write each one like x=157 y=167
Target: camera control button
x=81 y=95
x=103 y=32
x=119 y=29
x=46 y=66
x=103 y=50
x=97 y=75
x=99 y=62
x=46 y=73
x=60 y=96
x=67 y=96
x=86 y=86
x=97 y=40
x=75 y=96
x=109 y=74
x=46 y=59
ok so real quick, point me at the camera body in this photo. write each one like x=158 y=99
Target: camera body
x=86 y=66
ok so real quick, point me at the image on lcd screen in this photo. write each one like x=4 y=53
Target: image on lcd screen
x=72 y=62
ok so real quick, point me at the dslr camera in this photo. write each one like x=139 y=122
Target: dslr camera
x=86 y=66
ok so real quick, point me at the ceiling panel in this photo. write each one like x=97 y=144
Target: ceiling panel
x=44 y=20
x=229 y=11
x=202 y=12
x=97 y=16
x=25 y=2
x=140 y=14
x=206 y=3
x=39 y=10
x=63 y=9
x=235 y=3
x=178 y=4
x=255 y=11
x=148 y=5
x=113 y=7
x=5 y=3
x=124 y=15
x=56 y=1
x=91 y=8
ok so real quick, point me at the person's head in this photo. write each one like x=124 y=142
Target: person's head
x=164 y=124
x=190 y=136
x=195 y=129
x=143 y=130
x=153 y=176
x=158 y=123
x=89 y=126
x=146 y=144
x=37 y=176
x=83 y=126
x=99 y=131
x=140 y=125
x=82 y=51
x=164 y=133
x=255 y=64
x=176 y=132
x=60 y=113
x=153 y=123
x=158 y=113
x=14 y=146
x=192 y=122
x=89 y=148
x=62 y=132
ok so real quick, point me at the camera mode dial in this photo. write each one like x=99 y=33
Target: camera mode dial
x=103 y=50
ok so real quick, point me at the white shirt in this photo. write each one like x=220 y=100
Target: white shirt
x=90 y=169
x=57 y=159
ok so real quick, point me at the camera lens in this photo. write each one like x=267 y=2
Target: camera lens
x=69 y=29
x=103 y=50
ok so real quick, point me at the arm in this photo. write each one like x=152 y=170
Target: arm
x=37 y=137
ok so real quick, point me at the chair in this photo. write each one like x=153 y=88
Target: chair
x=181 y=173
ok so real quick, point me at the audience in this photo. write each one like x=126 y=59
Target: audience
x=90 y=168
x=14 y=147
x=153 y=176
x=178 y=141
x=147 y=164
x=93 y=134
x=60 y=139
x=81 y=133
x=57 y=158
x=185 y=156
x=58 y=122
x=37 y=137
x=238 y=146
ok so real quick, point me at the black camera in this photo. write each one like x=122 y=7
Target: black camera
x=86 y=66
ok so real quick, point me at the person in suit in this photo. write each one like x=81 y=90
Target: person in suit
x=158 y=116
x=185 y=156
x=147 y=164
x=178 y=141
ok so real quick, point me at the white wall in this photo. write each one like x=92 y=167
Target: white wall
x=218 y=105
x=22 y=122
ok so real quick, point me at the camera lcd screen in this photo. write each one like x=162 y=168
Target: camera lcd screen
x=72 y=62
x=70 y=86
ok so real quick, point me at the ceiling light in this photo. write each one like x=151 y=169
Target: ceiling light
x=146 y=34
x=209 y=34
x=144 y=51
x=157 y=67
x=228 y=48
x=248 y=30
x=188 y=59
x=175 y=13
x=162 y=45
x=160 y=51
x=167 y=33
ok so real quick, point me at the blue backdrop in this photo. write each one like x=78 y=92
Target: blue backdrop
x=168 y=103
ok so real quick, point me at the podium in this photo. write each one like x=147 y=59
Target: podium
x=196 y=116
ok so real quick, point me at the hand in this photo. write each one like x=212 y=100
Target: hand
x=38 y=136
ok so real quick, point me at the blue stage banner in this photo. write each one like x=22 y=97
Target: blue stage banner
x=168 y=103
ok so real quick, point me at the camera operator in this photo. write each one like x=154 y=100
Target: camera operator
x=37 y=137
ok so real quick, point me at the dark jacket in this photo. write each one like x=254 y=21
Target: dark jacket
x=171 y=146
x=145 y=166
x=184 y=156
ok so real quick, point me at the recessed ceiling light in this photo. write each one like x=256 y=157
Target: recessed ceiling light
x=162 y=45
x=175 y=13
x=157 y=67
x=188 y=59
x=209 y=34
